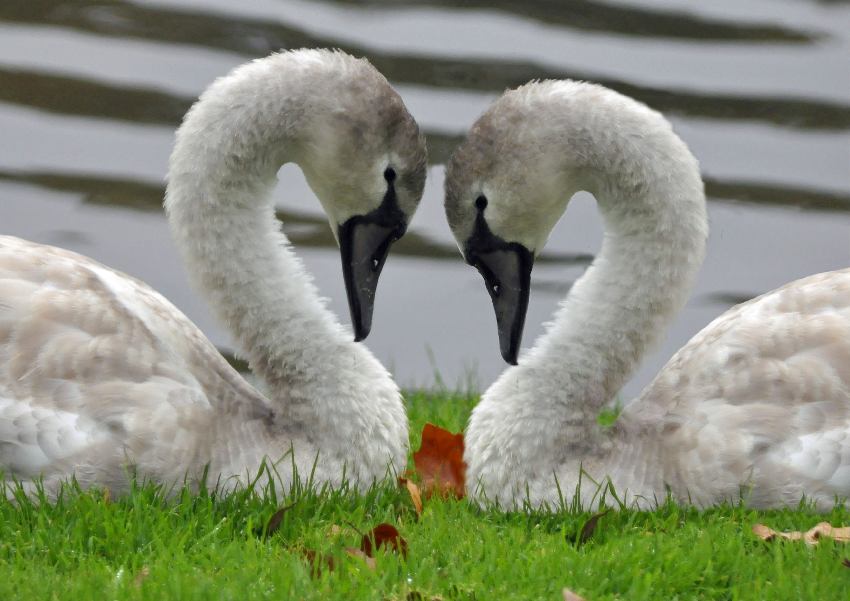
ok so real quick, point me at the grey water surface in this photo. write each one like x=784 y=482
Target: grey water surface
x=91 y=91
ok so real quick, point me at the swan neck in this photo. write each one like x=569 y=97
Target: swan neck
x=655 y=228
x=222 y=172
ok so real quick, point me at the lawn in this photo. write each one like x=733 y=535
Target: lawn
x=87 y=546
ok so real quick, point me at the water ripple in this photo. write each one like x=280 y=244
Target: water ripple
x=255 y=38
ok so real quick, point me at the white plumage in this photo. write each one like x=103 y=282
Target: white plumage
x=100 y=376
x=755 y=407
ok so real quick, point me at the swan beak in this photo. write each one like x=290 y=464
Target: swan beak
x=364 y=246
x=507 y=275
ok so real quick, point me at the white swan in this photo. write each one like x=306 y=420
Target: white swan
x=100 y=374
x=756 y=405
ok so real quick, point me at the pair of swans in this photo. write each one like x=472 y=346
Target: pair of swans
x=99 y=373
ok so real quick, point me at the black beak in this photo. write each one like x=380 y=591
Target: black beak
x=364 y=245
x=507 y=274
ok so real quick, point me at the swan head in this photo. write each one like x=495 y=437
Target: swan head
x=505 y=189
x=365 y=158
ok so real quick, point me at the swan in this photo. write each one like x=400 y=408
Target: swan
x=101 y=377
x=756 y=407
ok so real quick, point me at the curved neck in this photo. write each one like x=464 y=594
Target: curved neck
x=222 y=171
x=652 y=201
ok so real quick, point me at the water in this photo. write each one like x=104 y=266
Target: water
x=91 y=91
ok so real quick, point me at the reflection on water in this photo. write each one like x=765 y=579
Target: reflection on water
x=91 y=90
x=257 y=38
x=622 y=20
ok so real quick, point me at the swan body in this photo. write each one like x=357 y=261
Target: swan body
x=756 y=407
x=100 y=376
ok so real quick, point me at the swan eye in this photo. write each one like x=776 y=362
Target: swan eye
x=481 y=203
x=375 y=264
x=389 y=174
x=495 y=288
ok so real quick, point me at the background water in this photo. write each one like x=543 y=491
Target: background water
x=91 y=91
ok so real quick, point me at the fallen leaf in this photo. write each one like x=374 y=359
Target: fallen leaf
x=141 y=576
x=571 y=596
x=590 y=527
x=417 y=596
x=763 y=532
x=274 y=522
x=383 y=535
x=319 y=560
x=845 y=562
x=840 y=535
x=325 y=561
x=368 y=560
x=439 y=462
x=413 y=491
x=810 y=537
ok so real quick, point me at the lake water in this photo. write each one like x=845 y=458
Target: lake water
x=91 y=91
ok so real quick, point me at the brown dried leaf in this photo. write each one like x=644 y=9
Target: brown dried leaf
x=810 y=537
x=413 y=491
x=839 y=535
x=319 y=561
x=763 y=532
x=590 y=527
x=439 y=462
x=274 y=522
x=768 y=534
x=383 y=535
x=845 y=562
x=369 y=561
x=571 y=596
x=141 y=576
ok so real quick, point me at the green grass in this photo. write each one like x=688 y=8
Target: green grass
x=203 y=547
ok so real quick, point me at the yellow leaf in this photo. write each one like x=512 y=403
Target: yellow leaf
x=369 y=561
x=415 y=494
x=571 y=596
x=810 y=537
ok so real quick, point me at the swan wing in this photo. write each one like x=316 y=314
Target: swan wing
x=34 y=437
x=97 y=370
x=759 y=401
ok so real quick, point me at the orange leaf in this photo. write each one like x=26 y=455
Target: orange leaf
x=413 y=491
x=439 y=462
x=383 y=535
x=810 y=537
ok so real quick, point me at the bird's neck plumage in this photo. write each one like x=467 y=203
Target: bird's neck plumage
x=221 y=175
x=650 y=193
